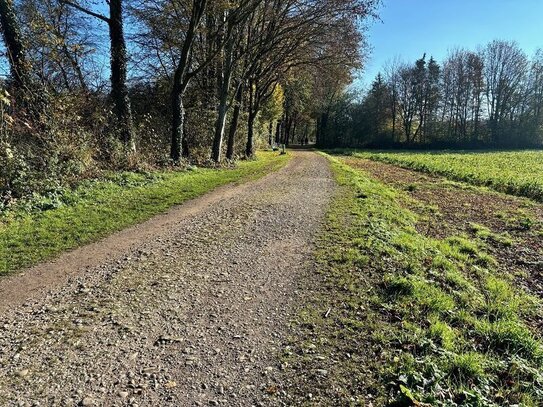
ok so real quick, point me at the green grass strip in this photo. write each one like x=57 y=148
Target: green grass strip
x=97 y=209
x=513 y=172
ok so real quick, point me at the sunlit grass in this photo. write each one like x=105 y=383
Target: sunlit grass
x=440 y=323
x=513 y=172
x=97 y=209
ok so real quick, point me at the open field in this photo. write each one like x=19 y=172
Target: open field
x=96 y=209
x=431 y=293
x=513 y=172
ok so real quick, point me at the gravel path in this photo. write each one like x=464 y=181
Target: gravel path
x=193 y=314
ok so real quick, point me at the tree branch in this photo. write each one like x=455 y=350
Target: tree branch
x=86 y=11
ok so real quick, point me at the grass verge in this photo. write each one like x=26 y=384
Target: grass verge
x=404 y=319
x=96 y=209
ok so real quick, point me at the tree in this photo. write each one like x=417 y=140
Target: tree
x=57 y=43
x=445 y=105
x=392 y=79
x=505 y=68
x=234 y=50
x=179 y=38
x=118 y=61
x=182 y=77
x=407 y=100
x=377 y=106
x=21 y=70
x=273 y=110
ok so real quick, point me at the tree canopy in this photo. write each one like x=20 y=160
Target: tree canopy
x=115 y=84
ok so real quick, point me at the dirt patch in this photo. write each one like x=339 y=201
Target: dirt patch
x=448 y=208
x=191 y=311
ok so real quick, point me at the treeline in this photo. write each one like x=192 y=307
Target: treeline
x=110 y=84
x=489 y=98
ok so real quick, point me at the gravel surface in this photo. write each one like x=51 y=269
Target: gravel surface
x=193 y=314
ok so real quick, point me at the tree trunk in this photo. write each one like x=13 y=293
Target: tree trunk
x=222 y=110
x=31 y=94
x=180 y=82
x=76 y=67
x=119 y=90
x=19 y=65
x=249 y=149
x=178 y=119
x=270 y=133
x=293 y=133
x=219 y=131
x=393 y=114
x=234 y=124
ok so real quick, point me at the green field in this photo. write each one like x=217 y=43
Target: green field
x=96 y=209
x=513 y=172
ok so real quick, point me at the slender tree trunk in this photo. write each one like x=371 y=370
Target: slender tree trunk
x=286 y=128
x=234 y=124
x=181 y=81
x=251 y=121
x=64 y=76
x=76 y=67
x=219 y=131
x=178 y=119
x=224 y=91
x=270 y=133
x=476 y=122
x=288 y=132
x=278 y=132
x=249 y=149
x=119 y=89
x=394 y=114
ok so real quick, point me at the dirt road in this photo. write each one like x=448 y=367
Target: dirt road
x=190 y=308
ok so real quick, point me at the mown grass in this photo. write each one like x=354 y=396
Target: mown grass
x=415 y=319
x=96 y=209
x=513 y=172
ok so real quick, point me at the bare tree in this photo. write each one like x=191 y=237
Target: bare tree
x=505 y=68
x=119 y=59
x=57 y=43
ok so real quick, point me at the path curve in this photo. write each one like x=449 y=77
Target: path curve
x=190 y=308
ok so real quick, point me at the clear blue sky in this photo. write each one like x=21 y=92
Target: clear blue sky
x=410 y=28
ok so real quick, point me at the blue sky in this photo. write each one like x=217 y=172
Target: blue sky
x=410 y=28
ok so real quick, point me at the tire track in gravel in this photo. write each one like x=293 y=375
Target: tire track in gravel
x=194 y=314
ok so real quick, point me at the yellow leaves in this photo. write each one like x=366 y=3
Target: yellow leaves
x=4 y=98
x=273 y=109
x=8 y=119
x=8 y=152
x=5 y=102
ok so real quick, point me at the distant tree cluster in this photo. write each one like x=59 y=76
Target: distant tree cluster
x=489 y=98
x=114 y=84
